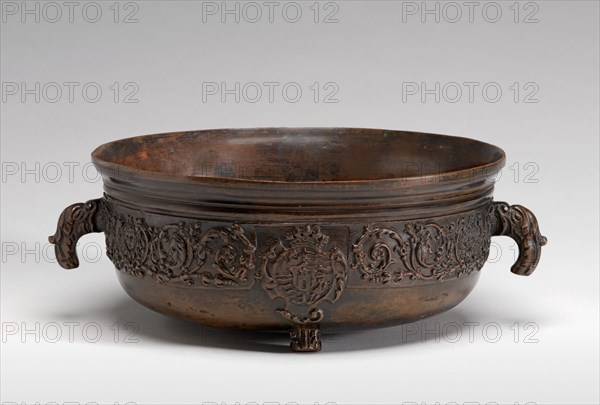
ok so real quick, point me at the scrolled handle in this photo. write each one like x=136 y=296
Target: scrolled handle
x=520 y=224
x=75 y=221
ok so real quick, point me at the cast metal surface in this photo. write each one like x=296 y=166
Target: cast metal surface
x=299 y=229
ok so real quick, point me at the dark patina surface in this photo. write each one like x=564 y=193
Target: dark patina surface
x=299 y=229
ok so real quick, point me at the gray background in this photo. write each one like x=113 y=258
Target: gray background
x=549 y=131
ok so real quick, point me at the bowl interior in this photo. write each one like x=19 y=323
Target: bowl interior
x=298 y=154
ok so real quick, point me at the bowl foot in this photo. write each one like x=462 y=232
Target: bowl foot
x=306 y=339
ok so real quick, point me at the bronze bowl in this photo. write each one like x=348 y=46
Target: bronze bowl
x=298 y=229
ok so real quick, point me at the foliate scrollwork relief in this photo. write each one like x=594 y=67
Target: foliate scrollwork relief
x=423 y=250
x=300 y=265
x=179 y=253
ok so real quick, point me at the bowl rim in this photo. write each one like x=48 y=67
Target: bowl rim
x=106 y=167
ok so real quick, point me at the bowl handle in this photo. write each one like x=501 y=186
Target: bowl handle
x=521 y=225
x=75 y=221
